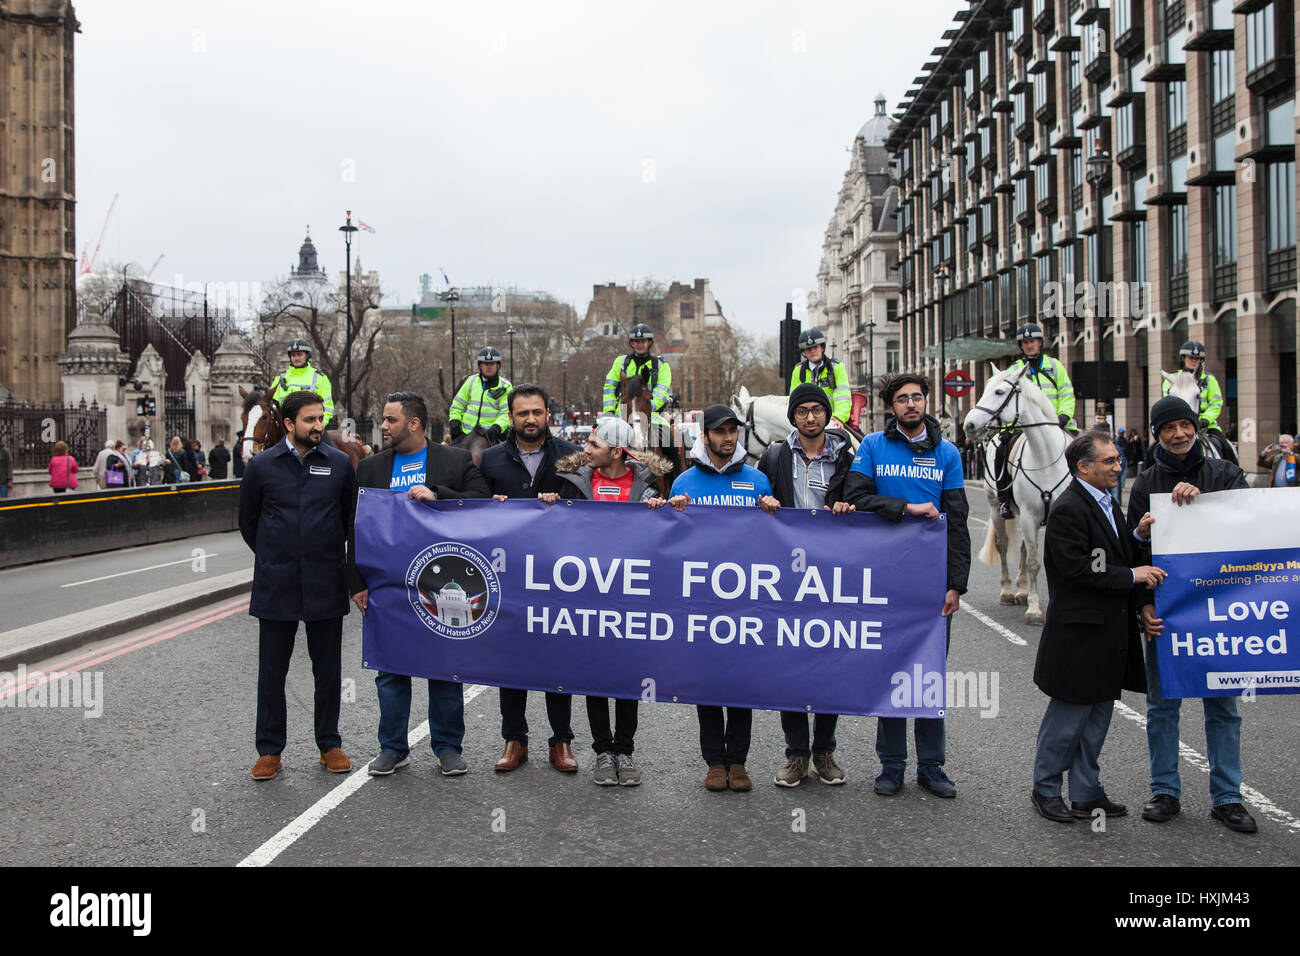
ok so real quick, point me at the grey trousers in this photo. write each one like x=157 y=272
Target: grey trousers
x=1070 y=738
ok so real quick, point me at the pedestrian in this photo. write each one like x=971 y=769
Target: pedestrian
x=219 y=461
x=117 y=469
x=180 y=461
x=295 y=513
x=1089 y=650
x=6 y=471
x=1279 y=458
x=237 y=456
x=428 y=472
x=140 y=461
x=877 y=483
x=523 y=466
x=719 y=476
x=200 y=460
x=63 y=469
x=609 y=470
x=1182 y=470
x=101 y=462
x=807 y=470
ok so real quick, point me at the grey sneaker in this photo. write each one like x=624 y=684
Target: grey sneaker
x=453 y=764
x=828 y=771
x=606 y=773
x=386 y=763
x=629 y=774
x=792 y=773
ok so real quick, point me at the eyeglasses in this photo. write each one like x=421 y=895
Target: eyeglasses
x=1112 y=460
x=910 y=400
x=816 y=411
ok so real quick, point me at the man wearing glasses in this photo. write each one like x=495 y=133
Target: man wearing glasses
x=807 y=471
x=909 y=469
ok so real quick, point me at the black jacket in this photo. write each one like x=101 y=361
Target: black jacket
x=296 y=515
x=218 y=459
x=860 y=491
x=506 y=474
x=450 y=472
x=777 y=464
x=1089 y=650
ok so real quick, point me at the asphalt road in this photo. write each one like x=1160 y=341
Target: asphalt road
x=162 y=777
x=38 y=592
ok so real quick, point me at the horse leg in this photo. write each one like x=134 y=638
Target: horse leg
x=1020 y=574
x=1033 y=613
x=1000 y=538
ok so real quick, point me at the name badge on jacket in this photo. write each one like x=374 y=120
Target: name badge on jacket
x=320 y=469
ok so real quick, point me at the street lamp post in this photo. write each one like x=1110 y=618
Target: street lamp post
x=451 y=297
x=871 y=373
x=1098 y=174
x=564 y=393
x=941 y=273
x=512 y=332
x=348 y=229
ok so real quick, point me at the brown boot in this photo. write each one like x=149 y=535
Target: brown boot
x=267 y=766
x=510 y=759
x=335 y=761
x=716 y=778
x=738 y=780
x=562 y=757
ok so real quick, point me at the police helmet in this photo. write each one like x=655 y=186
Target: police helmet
x=1195 y=349
x=299 y=345
x=640 y=331
x=488 y=354
x=1028 y=331
x=811 y=337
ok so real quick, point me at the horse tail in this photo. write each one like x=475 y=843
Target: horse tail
x=989 y=552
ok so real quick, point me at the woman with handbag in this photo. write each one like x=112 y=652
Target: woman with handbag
x=181 y=462
x=63 y=469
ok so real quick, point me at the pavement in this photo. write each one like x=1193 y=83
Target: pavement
x=152 y=765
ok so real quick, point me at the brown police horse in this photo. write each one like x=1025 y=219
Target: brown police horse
x=637 y=409
x=264 y=427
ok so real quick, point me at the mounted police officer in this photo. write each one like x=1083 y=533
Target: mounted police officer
x=302 y=376
x=482 y=402
x=1050 y=377
x=1192 y=358
x=826 y=373
x=640 y=360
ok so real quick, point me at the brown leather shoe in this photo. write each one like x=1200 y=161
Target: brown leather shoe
x=335 y=761
x=738 y=779
x=267 y=766
x=716 y=778
x=562 y=758
x=514 y=754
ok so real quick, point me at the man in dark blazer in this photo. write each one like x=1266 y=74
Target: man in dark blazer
x=295 y=512
x=1089 y=650
x=523 y=466
x=429 y=472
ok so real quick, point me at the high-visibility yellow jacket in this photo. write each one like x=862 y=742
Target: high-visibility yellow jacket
x=1051 y=378
x=654 y=371
x=833 y=379
x=477 y=404
x=308 y=378
x=1211 y=398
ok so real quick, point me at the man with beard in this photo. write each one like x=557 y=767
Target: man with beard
x=881 y=480
x=295 y=512
x=719 y=476
x=807 y=471
x=523 y=466
x=428 y=472
x=1182 y=470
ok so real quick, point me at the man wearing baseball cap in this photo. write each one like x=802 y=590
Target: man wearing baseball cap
x=1182 y=470
x=719 y=476
x=607 y=470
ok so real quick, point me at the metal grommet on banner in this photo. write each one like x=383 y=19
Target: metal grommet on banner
x=559 y=690
x=813 y=512
x=455 y=677
x=808 y=707
x=674 y=700
x=365 y=663
x=569 y=502
x=460 y=502
x=361 y=491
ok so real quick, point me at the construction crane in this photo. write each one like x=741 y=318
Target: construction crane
x=89 y=266
x=154 y=266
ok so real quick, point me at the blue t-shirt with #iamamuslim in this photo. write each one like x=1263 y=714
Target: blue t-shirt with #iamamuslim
x=409 y=470
x=901 y=472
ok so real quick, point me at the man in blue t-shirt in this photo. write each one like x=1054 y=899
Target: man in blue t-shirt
x=910 y=469
x=719 y=476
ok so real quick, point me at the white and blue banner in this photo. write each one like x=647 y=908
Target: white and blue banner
x=799 y=610
x=1231 y=603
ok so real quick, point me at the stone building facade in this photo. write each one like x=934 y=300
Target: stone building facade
x=37 y=195
x=1137 y=156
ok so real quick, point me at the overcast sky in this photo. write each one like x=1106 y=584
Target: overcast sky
x=545 y=145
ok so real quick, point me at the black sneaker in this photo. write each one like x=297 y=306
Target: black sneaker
x=1234 y=817
x=1161 y=808
x=888 y=783
x=453 y=764
x=936 y=781
x=386 y=763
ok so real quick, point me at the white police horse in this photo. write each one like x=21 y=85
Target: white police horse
x=1037 y=463
x=765 y=420
x=1183 y=385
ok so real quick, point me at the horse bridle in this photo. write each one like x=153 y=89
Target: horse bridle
x=1044 y=493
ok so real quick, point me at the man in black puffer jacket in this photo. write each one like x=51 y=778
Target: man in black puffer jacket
x=1180 y=468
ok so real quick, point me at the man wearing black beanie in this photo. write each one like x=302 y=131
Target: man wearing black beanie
x=1181 y=469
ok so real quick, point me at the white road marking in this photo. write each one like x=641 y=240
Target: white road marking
x=268 y=851
x=152 y=567
x=1252 y=796
x=1006 y=632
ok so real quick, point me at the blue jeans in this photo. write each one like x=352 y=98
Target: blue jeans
x=4 y=490
x=446 y=714
x=1222 y=740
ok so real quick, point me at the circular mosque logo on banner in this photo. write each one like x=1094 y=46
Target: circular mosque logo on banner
x=454 y=590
